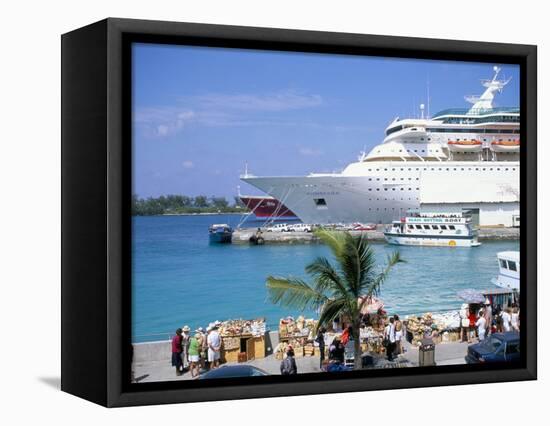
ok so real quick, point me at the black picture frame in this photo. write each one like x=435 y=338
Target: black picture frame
x=96 y=195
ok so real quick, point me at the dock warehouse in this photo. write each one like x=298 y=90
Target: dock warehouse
x=485 y=191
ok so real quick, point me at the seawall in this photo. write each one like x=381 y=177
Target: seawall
x=242 y=236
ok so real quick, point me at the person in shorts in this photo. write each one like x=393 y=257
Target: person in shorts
x=214 y=347
x=194 y=354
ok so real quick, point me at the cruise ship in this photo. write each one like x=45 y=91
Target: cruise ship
x=455 y=148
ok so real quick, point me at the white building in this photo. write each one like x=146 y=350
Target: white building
x=492 y=198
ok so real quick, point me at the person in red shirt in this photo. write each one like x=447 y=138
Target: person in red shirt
x=177 y=349
x=346 y=335
x=472 y=332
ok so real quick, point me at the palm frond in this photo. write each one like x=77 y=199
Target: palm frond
x=331 y=310
x=326 y=277
x=293 y=292
x=393 y=259
x=335 y=240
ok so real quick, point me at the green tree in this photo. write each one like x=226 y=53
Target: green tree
x=201 y=201
x=336 y=289
x=219 y=202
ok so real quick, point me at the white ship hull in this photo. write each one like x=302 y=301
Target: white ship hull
x=377 y=196
x=346 y=198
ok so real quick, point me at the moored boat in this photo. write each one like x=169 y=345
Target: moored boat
x=508 y=264
x=431 y=229
x=220 y=233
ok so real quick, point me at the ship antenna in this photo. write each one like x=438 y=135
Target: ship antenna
x=246 y=168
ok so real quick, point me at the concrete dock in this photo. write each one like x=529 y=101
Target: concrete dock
x=152 y=361
x=242 y=235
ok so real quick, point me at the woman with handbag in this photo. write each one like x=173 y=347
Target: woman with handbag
x=464 y=323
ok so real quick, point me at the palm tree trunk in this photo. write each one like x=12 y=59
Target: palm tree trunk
x=357 y=361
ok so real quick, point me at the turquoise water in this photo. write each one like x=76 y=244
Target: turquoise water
x=179 y=278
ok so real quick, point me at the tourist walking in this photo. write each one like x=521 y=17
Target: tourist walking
x=185 y=344
x=288 y=365
x=336 y=350
x=389 y=339
x=488 y=315
x=214 y=347
x=481 y=326
x=506 y=320
x=320 y=339
x=472 y=330
x=177 y=349
x=398 y=335
x=203 y=348
x=498 y=318
x=464 y=323
x=346 y=335
x=194 y=354
x=515 y=318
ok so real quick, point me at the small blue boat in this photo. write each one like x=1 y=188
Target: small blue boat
x=220 y=233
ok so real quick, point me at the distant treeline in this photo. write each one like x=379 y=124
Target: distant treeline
x=182 y=204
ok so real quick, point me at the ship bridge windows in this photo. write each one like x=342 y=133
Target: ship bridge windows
x=426 y=226
x=452 y=227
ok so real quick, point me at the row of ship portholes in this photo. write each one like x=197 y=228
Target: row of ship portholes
x=402 y=169
x=393 y=189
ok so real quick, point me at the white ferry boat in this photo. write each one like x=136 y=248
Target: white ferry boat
x=431 y=229
x=461 y=148
x=508 y=263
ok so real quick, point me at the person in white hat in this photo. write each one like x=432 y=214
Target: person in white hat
x=214 y=347
x=185 y=343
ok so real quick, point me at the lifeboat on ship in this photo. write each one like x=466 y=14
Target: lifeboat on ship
x=505 y=146
x=465 y=146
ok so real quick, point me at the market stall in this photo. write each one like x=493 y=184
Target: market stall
x=298 y=333
x=442 y=327
x=242 y=340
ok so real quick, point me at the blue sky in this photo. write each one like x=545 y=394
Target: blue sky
x=200 y=114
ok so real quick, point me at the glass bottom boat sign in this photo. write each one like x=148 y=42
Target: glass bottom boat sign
x=433 y=229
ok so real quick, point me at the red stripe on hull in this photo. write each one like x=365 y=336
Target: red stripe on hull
x=266 y=207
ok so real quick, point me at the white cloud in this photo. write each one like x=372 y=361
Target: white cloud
x=277 y=101
x=188 y=164
x=222 y=110
x=162 y=122
x=310 y=152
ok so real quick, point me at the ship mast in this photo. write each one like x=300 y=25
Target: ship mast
x=485 y=101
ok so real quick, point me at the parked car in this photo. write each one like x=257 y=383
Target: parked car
x=280 y=227
x=228 y=371
x=300 y=227
x=362 y=227
x=498 y=347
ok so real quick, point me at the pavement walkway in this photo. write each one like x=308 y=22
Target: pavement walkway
x=445 y=354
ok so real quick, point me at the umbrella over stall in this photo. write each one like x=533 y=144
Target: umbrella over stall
x=471 y=296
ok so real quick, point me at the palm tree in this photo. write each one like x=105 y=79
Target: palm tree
x=336 y=290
